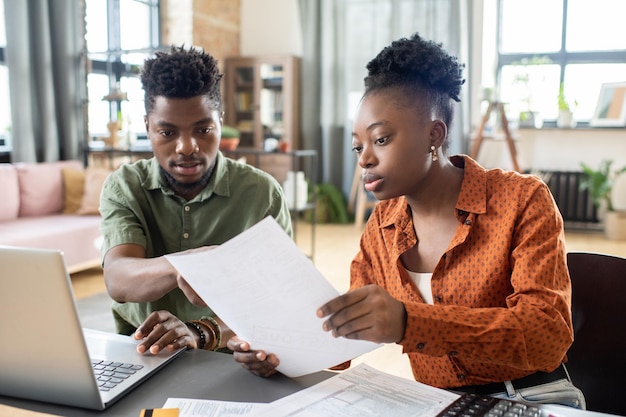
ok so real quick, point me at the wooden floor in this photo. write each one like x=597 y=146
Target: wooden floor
x=335 y=246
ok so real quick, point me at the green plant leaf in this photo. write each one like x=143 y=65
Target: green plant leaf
x=599 y=182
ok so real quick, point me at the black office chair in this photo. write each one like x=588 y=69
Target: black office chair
x=597 y=358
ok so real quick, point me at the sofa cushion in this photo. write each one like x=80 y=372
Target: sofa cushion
x=83 y=188
x=94 y=181
x=41 y=186
x=9 y=193
x=74 y=183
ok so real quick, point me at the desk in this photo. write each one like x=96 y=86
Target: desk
x=198 y=374
x=109 y=156
x=202 y=374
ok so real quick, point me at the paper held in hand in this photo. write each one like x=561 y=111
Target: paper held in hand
x=267 y=291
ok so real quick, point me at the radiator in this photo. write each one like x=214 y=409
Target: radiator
x=576 y=206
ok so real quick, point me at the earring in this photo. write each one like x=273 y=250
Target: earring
x=433 y=151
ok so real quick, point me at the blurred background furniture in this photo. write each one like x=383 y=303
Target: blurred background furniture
x=279 y=164
x=52 y=205
x=359 y=203
x=481 y=135
x=113 y=157
x=262 y=99
x=596 y=359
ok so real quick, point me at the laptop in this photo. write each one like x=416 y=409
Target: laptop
x=45 y=354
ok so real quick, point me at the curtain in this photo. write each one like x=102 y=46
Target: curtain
x=45 y=44
x=339 y=38
x=322 y=119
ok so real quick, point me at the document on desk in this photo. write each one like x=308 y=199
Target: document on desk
x=267 y=291
x=189 y=407
x=362 y=391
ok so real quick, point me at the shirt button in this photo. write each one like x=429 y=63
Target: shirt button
x=461 y=376
x=453 y=353
x=438 y=298
x=187 y=208
x=420 y=346
x=461 y=212
x=186 y=235
x=468 y=222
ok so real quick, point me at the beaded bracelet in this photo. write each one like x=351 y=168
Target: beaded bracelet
x=197 y=328
x=216 y=327
x=211 y=343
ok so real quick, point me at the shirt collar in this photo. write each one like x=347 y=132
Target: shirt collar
x=472 y=198
x=473 y=195
x=399 y=216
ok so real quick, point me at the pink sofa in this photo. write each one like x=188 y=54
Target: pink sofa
x=35 y=212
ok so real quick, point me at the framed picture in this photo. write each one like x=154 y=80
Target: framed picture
x=611 y=107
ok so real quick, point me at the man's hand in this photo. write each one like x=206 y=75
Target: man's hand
x=366 y=313
x=255 y=361
x=189 y=292
x=163 y=330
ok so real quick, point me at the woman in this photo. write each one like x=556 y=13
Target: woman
x=464 y=267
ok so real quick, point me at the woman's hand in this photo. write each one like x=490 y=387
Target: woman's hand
x=163 y=330
x=255 y=361
x=366 y=313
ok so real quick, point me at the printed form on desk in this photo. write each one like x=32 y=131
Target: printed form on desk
x=361 y=391
x=267 y=291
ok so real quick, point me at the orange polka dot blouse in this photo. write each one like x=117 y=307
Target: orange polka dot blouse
x=502 y=294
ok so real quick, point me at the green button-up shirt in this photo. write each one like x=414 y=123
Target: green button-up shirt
x=138 y=207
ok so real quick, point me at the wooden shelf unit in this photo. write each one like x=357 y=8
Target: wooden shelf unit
x=262 y=99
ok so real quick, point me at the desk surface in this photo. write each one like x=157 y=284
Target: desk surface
x=195 y=374
x=201 y=374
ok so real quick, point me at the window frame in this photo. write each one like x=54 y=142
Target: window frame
x=5 y=139
x=562 y=58
x=110 y=61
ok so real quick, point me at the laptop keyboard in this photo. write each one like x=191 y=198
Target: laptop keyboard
x=473 y=405
x=110 y=374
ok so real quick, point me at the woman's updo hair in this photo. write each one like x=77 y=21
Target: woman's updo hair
x=423 y=69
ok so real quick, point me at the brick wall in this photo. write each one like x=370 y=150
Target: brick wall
x=211 y=24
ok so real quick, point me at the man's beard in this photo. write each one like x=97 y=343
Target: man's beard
x=183 y=188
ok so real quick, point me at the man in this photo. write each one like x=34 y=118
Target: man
x=187 y=197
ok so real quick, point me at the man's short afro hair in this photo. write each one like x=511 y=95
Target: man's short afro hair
x=181 y=73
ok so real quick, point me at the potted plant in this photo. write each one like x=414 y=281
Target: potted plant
x=566 y=114
x=230 y=138
x=600 y=184
x=528 y=117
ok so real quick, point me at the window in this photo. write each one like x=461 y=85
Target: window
x=117 y=47
x=5 y=104
x=545 y=45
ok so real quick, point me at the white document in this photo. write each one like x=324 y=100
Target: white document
x=263 y=286
x=211 y=408
x=362 y=391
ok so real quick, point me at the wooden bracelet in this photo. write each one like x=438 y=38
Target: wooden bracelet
x=211 y=332
x=198 y=329
x=216 y=327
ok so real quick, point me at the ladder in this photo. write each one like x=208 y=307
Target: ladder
x=478 y=140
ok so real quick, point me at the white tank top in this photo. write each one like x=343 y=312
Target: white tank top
x=422 y=282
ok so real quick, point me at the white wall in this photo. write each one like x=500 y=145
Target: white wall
x=273 y=27
x=270 y=27
x=557 y=149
